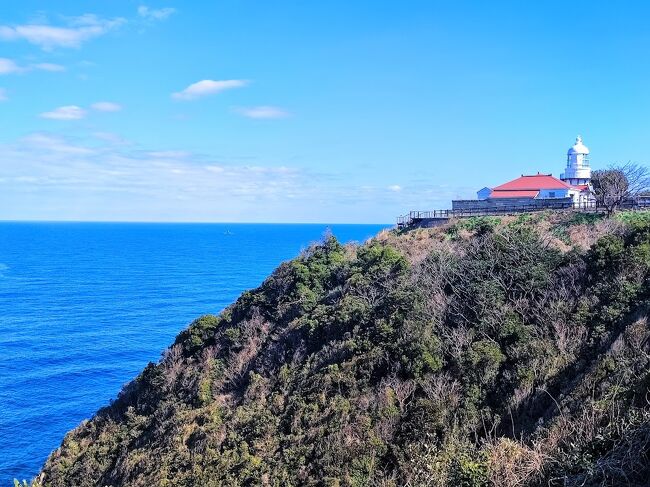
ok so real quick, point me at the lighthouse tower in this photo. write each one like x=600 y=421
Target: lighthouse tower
x=578 y=171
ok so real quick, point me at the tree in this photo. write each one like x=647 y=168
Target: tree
x=617 y=184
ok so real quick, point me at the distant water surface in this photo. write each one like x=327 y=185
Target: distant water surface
x=85 y=306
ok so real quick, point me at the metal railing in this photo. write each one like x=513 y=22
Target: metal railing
x=414 y=217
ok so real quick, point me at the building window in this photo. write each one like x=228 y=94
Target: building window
x=551 y=194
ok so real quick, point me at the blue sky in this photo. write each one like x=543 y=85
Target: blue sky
x=285 y=111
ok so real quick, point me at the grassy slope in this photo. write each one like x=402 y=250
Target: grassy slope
x=507 y=351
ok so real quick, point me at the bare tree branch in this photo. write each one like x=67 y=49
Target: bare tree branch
x=620 y=183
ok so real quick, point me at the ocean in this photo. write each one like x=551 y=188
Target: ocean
x=85 y=306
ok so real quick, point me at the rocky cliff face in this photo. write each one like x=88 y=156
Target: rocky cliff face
x=487 y=352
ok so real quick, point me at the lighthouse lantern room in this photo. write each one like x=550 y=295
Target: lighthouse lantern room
x=578 y=171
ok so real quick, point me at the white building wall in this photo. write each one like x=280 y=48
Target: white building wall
x=553 y=193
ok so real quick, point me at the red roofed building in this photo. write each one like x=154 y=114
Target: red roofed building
x=573 y=186
x=537 y=186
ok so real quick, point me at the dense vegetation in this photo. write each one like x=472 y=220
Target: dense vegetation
x=504 y=352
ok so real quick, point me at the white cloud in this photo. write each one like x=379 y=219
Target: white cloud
x=395 y=187
x=111 y=138
x=49 y=67
x=263 y=112
x=3 y=95
x=208 y=87
x=170 y=154
x=106 y=106
x=74 y=112
x=53 y=144
x=68 y=112
x=8 y=66
x=73 y=175
x=77 y=31
x=90 y=177
x=155 y=14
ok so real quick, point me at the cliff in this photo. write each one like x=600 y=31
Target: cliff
x=509 y=351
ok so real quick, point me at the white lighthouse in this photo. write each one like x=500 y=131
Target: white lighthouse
x=578 y=171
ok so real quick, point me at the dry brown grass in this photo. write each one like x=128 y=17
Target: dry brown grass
x=584 y=236
x=416 y=244
x=512 y=464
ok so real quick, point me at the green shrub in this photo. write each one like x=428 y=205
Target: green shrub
x=466 y=472
x=360 y=366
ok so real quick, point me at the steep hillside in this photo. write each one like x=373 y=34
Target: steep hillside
x=490 y=351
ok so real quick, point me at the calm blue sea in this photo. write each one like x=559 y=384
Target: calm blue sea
x=85 y=306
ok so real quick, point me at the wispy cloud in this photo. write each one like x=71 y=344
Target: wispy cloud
x=111 y=138
x=263 y=112
x=57 y=68
x=73 y=34
x=106 y=106
x=9 y=66
x=395 y=188
x=75 y=112
x=68 y=112
x=208 y=87
x=155 y=14
x=153 y=184
x=51 y=144
x=48 y=176
x=170 y=154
